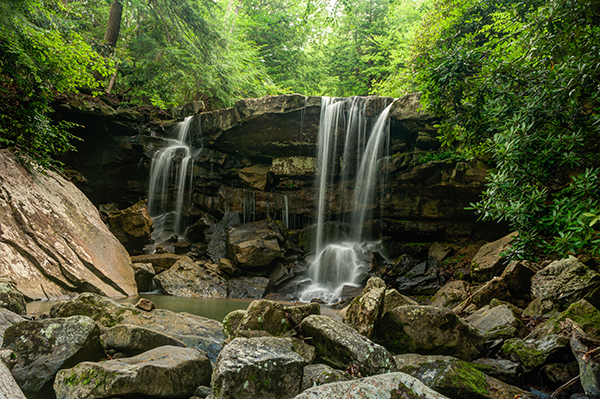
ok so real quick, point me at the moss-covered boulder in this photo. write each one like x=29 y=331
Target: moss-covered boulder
x=320 y=374
x=429 y=330
x=275 y=318
x=133 y=340
x=164 y=372
x=341 y=346
x=7 y=319
x=232 y=321
x=393 y=299
x=45 y=346
x=456 y=378
x=581 y=312
x=264 y=367
x=364 y=310
x=494 y=289
x=532 y=354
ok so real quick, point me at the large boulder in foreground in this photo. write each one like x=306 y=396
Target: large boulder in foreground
x=134 y=340
x=263 y=367
x=429 y=330
x=392 y=385
x=165 y=372
x=194 y=331
x=54 y=243
x=45 y=346
x=364 y=310
x=341 y=346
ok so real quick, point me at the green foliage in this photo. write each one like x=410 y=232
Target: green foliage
x=517 y=81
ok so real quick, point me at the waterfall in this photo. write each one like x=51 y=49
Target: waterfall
x=338 y=262
x=171 y=166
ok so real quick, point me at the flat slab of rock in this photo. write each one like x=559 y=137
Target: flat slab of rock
x=165 y=372
x=340 y=346
x=189 y=279
x=160 y=262
x=45 y=346
x=54 y=243
x=429 y=330
x=133 y=340
x=488 y=261
x=263 y=367
x=392 y=385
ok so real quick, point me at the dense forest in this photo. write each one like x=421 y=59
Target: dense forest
x=515 y=83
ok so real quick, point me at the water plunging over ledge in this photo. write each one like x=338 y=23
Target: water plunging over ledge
x=340 y=261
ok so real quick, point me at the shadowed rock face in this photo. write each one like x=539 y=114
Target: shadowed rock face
x=53 y=242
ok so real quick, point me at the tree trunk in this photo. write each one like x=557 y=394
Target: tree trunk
x=114 y=25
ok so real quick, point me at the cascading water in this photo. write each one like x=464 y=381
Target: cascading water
x=170 y=167
x=337 y=262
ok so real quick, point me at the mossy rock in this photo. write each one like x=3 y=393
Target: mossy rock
x=532 y=354
x=232 y=321
x=274 y=317
x=581 y=312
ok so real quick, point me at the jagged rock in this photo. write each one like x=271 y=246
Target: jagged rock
x=253 y=244
x=133 y=340
x=429 y=330
x=217 y=236
x=255 y=176
x=532 y=354
x=350 y=291
x=340 y=346
x=488 y=261
x=7 y=319
x=320 y=374
x=283 y=273
x=498 y=316
x=451 y=294
x=160 y=262
x=10 y=296
x=167 y=371
x=54 y=242
x=493 y=289
x=145 y=304
x=195 y=232
x=232 y=321
x=194 y=331
x=264 y=367
x=456 y=378
x=393 y=299
x=364 y=310
x=438 y=251
x=227 y=268
x=422 y=279
x=517 y=277
x=45 y=346
x=189 y=279
x=502 y=369
x=564 y=281
x=390 y=385
x=581 y=312
x=272 y=317
x=132 y=226
x=248 y=287
x=144 y=273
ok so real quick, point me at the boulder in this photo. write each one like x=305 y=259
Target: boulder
x=293 y=166
x=581 y=312
x=45 y=346
x=364 y=310
x=496 y=317
x=9 y=388
x=493 y=289
x=133 y=340
x=275 y=318
x=247 y=287
x=7 y=319
x=145 y=304
x=564 y=282
x=227 y=268
x=217 y=236
x=190 y=279
x=488 y=261
x=255 y=176
x=164 y=372
x=132 y=226
x=195 y=232
x=502 y=369
x=451 y=294
x=429 y=330
x=54 y=243
x=320 y=374
x=194 y=331
x=532 y=354
x=144 y=273
x=264 y=367
x=456 y=378
x=232 y=321
x=10 y=296
x=393 y=299
x=422 y=279
x=340 y=346
x=438 y=251
x=517 y=277
x=160 y=262
x=253 y=244
x=392 y=385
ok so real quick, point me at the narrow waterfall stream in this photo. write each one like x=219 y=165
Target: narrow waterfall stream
x=341 y=260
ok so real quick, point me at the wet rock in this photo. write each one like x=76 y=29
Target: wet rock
x=488 y=261
x=253 y=244
x=532 y=354
x=182 y=247
x=232 y=321
x=502 y=369
x=187 y=109
x=283 y=273
x=132 y=226
x=498 y=316
x=216 y=235
x=227 y=268
x=560 y=373
x=320 y=374
x=145 y=304
x=581 y=312
x=10 y=296
x=456 y=378
x=364 y=310
x=393 y=299
x=340 y=346
x=255 y=176
x=144 y=273
x=195 y=232
x=167 y=371
x=265 y=367
x=273 y=318
x=202 y=391
x=422 y=279
x=429 y=330
x=7 y=319
x=380 y=386
x=248 y=287
x=45 y=346
x=564 y=281
x=159 y=261
x=350 y=292
x=133 y=340
x=54 y=243
x=189 y=279
x=451 y=294
x=194 y=331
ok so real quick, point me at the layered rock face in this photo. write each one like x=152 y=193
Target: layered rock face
x=54 y=243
